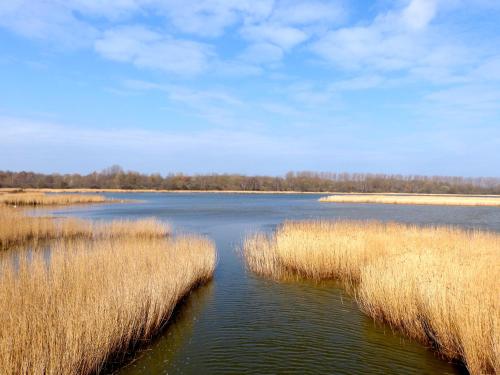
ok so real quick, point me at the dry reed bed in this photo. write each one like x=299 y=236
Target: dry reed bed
x=42 y=199
x=17 y=228
x=101 y=288
x=93 y=300
x=414 y=199
x=436 y=284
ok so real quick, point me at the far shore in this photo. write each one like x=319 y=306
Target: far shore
x=440 y=200
x=86 y=190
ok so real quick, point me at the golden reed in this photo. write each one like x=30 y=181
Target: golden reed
x=17 y=228
x=438 y=285
x=414 y=199
x=101 y=289
x=42 y=199
x=93 y=300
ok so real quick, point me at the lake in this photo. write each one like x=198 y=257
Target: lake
x=241 y=323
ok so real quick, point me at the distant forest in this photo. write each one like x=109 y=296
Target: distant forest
x=116 y=178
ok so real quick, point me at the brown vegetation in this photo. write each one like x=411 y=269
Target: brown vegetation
x=92 y=300
x=437 y=284
x=17 y=228
x=101 y=288
x=42 y=199
x=414 y=199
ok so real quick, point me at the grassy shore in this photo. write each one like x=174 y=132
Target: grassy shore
x=101 y=289
x=444 y=200
x=43 y=199
x=84 y=190
x=17 y=228
x=438 y=285
x=93 y=300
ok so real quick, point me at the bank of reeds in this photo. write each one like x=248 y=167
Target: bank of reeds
x=92 y=299
x=438 y=285
x=17 y=228
x=42 y=199
x=414 y=199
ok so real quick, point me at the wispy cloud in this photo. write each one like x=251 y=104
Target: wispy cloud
x=153 y=150
x=412 y=40
x=49 y=21
x=146 y=48
x=215 y=105
x=394 y=40
x=338 y=81
x=284 y=37
x=262 y=53
x=231 y=150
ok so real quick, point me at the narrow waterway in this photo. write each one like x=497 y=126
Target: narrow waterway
x=240 y=323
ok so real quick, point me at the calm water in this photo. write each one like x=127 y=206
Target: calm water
x=239 y=323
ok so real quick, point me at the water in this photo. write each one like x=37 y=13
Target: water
x=240 y=323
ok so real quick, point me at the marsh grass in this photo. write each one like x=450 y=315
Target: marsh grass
x=438 y=285
x=17 y=228
x=93 y=299
x=77 y=293
x=414 y=199
x=42 y=199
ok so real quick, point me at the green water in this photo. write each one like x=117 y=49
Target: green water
x=239 y=323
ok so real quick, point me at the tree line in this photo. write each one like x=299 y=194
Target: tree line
x=117 y=178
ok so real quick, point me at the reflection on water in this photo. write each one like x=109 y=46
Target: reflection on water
x=24 y=254
x=177 y=333
x=240 y=323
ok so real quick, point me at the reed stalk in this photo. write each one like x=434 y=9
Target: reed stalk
x=438 y=285
x=93 y=300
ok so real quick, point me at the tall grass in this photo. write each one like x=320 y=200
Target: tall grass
x=17 y=228
x=414 y=199
x=92 y=300
x=42 y=199
x=436 y=284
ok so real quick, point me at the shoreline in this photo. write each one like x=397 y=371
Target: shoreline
x=87 y=190
x=449 y=200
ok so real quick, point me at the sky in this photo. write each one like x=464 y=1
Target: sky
x=251 y=86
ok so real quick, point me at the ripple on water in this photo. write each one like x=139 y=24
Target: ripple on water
x=239 y=323
x=298 y=327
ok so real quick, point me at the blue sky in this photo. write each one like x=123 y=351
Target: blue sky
x=255 y=87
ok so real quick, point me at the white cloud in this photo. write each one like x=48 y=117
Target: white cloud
x=281 y=109
x=419 y=13
x=284 y=37
x=262 y=53
x=393 y=41
x=311 y=95
x=236 y=68
x=105 y=26
x=466 y=101
x=357 y=83
x=110 y=9
x=66 y=148
x=411 y=42
x=149 y=49
x=293 y=12
x=212 y=17
x=185 y=94
x=216 y=106
x=45 y=146
x=46 y=20
x=290 y=24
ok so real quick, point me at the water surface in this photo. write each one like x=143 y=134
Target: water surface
x=240 y=323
